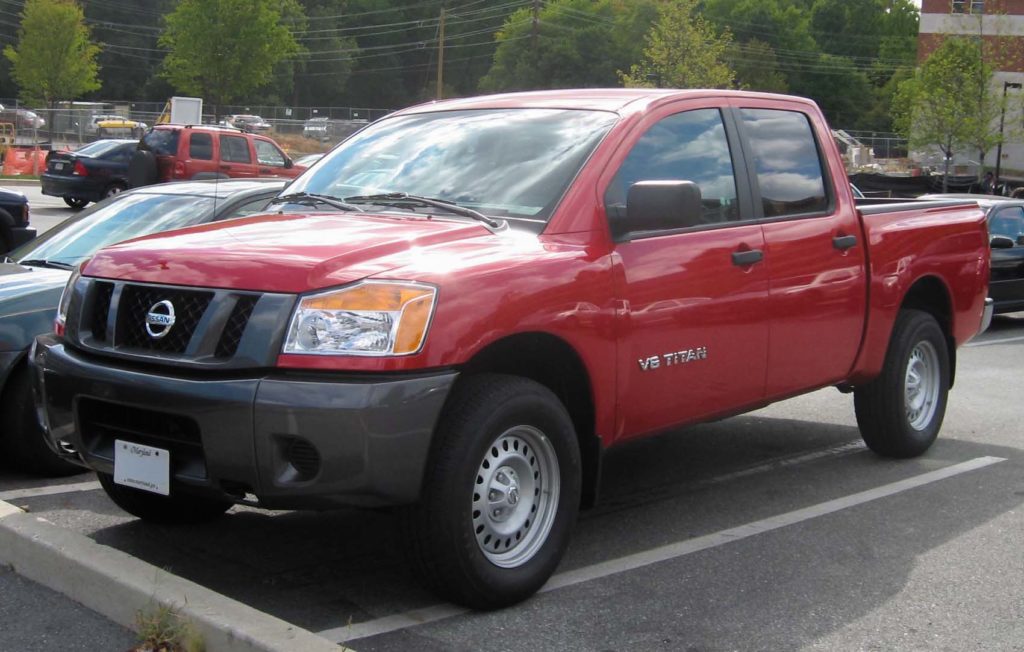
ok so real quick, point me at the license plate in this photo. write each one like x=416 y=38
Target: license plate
x=142 y=467
x=58 y=166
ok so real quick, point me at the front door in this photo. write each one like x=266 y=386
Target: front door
x=1007 y=285
x=693 y=328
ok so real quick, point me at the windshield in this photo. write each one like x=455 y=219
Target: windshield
x=99 y=148
x=130 y=216
x=502 y=162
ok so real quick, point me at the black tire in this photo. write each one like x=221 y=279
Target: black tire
x=113 y=189
x=492 y=426
x=21 y=439
x=76 y=203
x=154 y=508
x=142 y=169
x=900 y=412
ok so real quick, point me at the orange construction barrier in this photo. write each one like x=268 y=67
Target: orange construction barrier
x=24 y=160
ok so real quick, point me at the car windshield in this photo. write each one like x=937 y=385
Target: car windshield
x=99 y=148
x=503 y=162
x=129 y=216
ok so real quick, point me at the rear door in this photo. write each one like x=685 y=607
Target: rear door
x=814 y=249
x=236 y=157
x=693 y=314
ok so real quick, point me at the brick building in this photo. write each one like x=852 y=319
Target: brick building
x=1000 y=24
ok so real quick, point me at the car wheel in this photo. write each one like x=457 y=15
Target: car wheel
x=500 y=493
x=155 y=508
x=21 y=439
x=113 y=189
x=76 y=203
x=142 y=169
x=900 y=412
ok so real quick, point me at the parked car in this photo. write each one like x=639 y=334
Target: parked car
x=1006 y=237
x=330 y=130
x=252 y=124
x=14 y=216
x=21 y=118
x=308 y=159
x=90 y=173
x=170 y=152
x=31 y=278
x=537 y=278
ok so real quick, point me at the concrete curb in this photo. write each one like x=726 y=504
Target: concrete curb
x=19 y=182
x=117 y=585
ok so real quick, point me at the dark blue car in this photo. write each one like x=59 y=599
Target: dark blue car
x=90 y=173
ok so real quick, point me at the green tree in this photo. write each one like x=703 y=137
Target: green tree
x=223 y=49
x=54 y=58
x=683 y=51
x=939 y=105
x=575 y=43
x=757 y=67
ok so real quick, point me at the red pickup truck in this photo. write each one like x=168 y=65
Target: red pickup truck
x=466 y=303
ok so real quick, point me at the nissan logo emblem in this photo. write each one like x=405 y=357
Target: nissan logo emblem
x=160 y=319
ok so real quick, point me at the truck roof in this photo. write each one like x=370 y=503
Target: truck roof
x=618 y=100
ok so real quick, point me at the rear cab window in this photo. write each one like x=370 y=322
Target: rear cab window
x=200 y=146
x=162 y=142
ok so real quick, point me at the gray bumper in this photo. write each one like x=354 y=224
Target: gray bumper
x=986 y=316
x=293 y=442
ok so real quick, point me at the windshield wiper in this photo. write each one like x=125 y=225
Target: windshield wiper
x=41 y=262
x=313 y=199
x=392 y=198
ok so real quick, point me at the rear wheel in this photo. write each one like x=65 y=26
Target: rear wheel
x=21 y=439
x=900 y=412
x=173 y=509
x=76 y=203
x=500 y=495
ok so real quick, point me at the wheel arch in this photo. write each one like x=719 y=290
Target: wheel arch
x=929 y=294
x=554 y=363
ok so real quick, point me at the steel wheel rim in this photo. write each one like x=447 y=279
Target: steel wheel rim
x=515 y=496
x=113 y=190
x=921 y=385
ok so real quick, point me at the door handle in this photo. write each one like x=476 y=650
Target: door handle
x=225 y=167
x=844 y=242
x=745 y=258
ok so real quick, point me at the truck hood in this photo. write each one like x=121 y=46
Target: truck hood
x=289 y=253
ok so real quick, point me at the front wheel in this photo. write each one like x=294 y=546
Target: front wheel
x=113 y=189
x=76 y=202
x=173 y=509
x=900 y=412
x=500 y=494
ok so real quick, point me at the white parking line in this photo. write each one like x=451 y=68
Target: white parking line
x=671 y=551
x=51 y=490
x=999 y=341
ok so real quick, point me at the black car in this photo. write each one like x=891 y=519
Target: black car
x=90 y=173
x=1006 y=237
x=33 y=276
x=14 y=228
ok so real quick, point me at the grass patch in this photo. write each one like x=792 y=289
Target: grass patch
x=163 y=629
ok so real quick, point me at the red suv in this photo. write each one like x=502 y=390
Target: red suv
x=177 y=152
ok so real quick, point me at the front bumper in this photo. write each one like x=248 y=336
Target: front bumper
x=20 y=235
x=289 y=442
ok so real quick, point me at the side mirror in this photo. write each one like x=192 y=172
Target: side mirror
x=288 y=163
x=657 y=206
x=1000 y=242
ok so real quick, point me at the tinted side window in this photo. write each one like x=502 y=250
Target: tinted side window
x=689 y=146
x=786 y=161
x=162 y=142
x=1008 y=222
x=234 y=149
x=267 y=154
x=200 y=146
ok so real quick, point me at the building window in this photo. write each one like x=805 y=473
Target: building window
x=968 y=6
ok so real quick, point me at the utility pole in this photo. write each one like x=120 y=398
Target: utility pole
x=440 y=57
x=536 y=26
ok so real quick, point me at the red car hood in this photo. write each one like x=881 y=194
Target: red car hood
x=278 y=253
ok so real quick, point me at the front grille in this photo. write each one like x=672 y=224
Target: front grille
x=100 y=309
x=138 y=300
x=233 y=329
x=102 y=423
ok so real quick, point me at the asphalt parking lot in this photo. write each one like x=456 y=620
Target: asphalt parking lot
x=774 y=530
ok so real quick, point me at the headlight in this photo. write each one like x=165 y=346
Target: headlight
x=65 y=300
x=371 y=318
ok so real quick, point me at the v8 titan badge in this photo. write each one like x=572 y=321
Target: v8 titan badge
x=142 y=467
